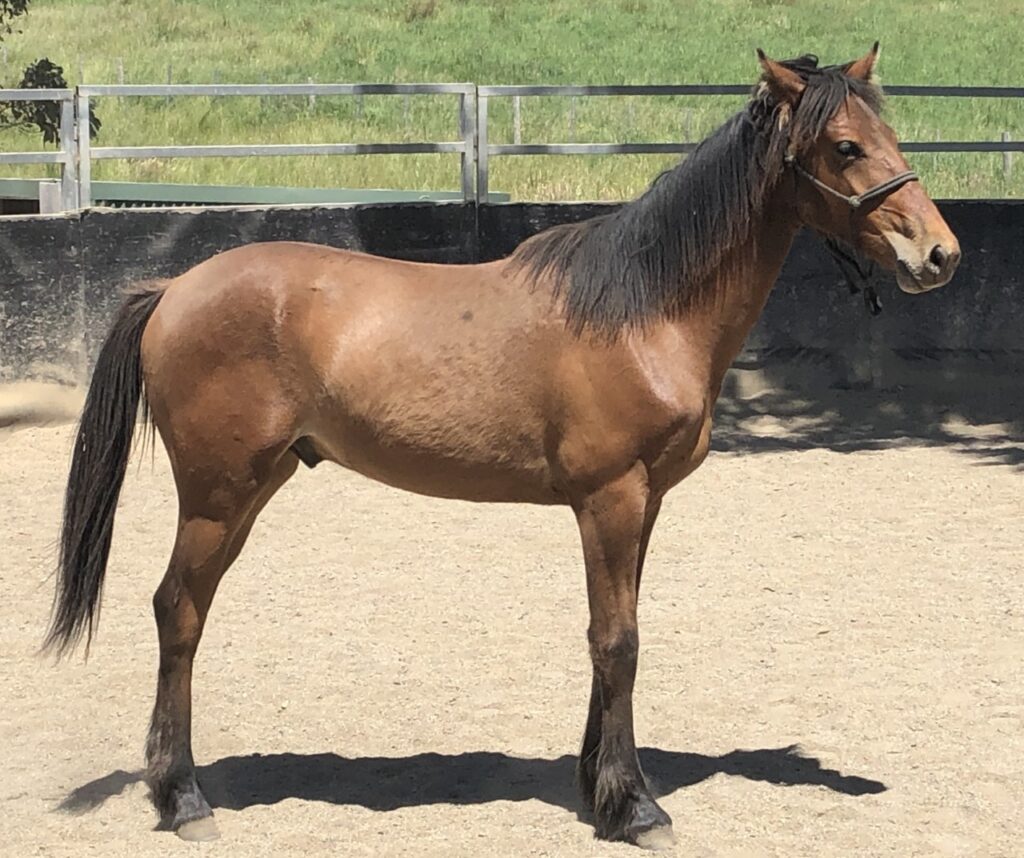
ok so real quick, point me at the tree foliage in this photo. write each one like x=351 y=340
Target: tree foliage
x=42 y=116
x=9 y=11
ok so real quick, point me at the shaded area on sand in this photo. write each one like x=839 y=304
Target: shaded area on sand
x=982 y=424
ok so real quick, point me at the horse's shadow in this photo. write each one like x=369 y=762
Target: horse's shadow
x=388 y=783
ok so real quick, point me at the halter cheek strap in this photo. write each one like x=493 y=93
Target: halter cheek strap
x=855 y=201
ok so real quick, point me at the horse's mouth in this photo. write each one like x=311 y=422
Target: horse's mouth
x=915 y=280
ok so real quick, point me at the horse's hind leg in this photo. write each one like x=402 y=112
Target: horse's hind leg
x=215 y=517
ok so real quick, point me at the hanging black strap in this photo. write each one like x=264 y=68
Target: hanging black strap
x=855 y=273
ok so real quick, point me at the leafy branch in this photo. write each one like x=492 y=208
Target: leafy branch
x=42 y=116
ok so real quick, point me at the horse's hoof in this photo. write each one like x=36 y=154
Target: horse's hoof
x=656 y=839
x=198 y=830
x=650 y=827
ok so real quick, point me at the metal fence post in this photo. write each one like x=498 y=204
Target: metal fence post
x=50 y=198
x=482 y=158
x=468 y=130
x=84 y=155
x=69 y=169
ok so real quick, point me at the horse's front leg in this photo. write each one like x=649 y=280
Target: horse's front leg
x=586 y=767
x=615 y=523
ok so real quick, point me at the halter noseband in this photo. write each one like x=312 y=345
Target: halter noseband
x=855 y=201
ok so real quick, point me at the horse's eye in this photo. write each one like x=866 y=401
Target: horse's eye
x=849 y=149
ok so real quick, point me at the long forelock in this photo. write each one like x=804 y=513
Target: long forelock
x=828 y=89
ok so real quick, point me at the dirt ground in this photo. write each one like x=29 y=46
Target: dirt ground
x=832 y=631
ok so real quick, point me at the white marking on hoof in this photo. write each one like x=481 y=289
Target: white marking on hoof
x=199 y=830
x=657 y=839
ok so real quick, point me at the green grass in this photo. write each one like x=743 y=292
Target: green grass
x=509 y=41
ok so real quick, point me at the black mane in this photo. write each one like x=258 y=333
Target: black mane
x=654 y=257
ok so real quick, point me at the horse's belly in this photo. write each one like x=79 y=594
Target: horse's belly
x=470 y=459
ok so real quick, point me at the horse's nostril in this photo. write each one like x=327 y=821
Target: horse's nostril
x=938 y=256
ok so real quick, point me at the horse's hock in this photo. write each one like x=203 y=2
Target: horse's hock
x=63 y=274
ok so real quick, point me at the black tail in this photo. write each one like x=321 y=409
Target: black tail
x=98 y=465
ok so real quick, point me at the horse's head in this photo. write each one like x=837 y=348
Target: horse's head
x=851 y=181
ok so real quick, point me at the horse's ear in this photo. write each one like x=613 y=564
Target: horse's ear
x=864 y=68
x=785 y=84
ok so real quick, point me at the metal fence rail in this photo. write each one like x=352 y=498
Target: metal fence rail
x=75 y=153
x=486 y=149
x=956 y=91
x=465 y=146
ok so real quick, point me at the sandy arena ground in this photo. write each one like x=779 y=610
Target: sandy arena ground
x=385 y=674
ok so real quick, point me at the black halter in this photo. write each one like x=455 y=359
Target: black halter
x=855 y=201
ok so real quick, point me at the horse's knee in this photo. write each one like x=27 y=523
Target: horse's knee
x=614 y=655
x=619 y=646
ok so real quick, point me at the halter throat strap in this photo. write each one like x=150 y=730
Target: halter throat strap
x=855 y=201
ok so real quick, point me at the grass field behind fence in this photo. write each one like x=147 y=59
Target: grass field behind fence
x=969 y=42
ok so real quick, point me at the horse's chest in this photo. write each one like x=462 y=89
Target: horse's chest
x=681 y=452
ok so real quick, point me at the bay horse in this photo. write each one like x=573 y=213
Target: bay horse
x=582 y=370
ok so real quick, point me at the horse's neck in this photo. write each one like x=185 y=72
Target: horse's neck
x=745 y=280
